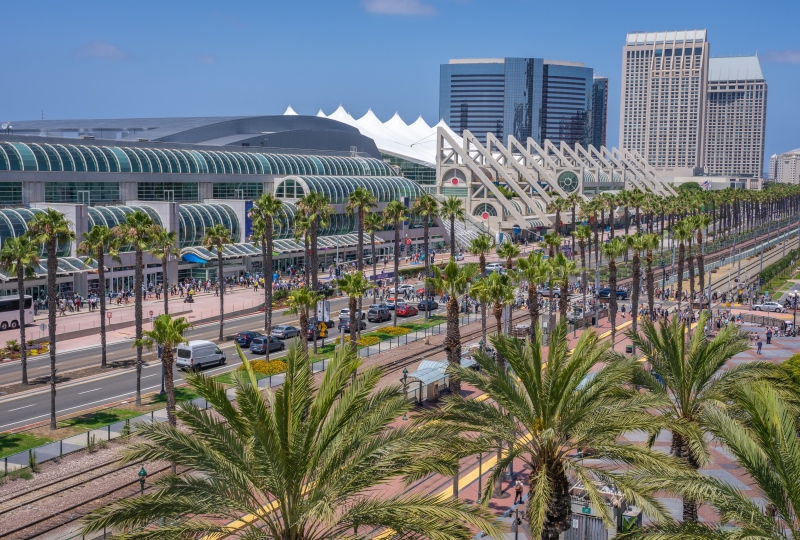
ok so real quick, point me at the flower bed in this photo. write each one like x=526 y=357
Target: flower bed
x=395 y=330
x=273 y=367
x=365 y=341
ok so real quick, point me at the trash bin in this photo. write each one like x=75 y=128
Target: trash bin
x=628 y=349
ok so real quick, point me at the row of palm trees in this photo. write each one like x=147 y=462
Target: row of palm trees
x=48 y=230
x=312 y=460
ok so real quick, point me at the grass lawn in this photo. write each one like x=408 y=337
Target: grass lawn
x=226 y=378
x=11 y=443
x=436 y=320
x=98 y=419
x=181 y=394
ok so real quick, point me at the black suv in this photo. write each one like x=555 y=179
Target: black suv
x=378 y=315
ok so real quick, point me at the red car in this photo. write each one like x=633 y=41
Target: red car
x=406 y=310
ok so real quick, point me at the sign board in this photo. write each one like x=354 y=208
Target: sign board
x=323 y=310
x=517 y=229
x=408 y=241
x=574 y=523
x=43 y=327
x=151 y=313
x=586 y=510
x=108 y=315
x=485 y=215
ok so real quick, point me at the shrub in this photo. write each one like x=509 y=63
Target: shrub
x=32 y=463
x=12 y=345
x=792 y=365
x=263 y=367
x=365 y=341
x=395 y=330
x=280 y=294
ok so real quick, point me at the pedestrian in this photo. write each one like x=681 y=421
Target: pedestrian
x=518 y=491
x=759 y=345
x=769 y=335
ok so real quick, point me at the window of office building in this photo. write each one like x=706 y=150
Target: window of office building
x=10 y=193
x=422 y=174
x=81 y=192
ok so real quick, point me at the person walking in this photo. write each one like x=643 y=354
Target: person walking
x=518 y=491
x=769 y=335
x=759 y=345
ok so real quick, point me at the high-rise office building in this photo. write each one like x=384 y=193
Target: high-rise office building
x=735 y=117
x=599 y=111
x=523 y=97
x=663 y=95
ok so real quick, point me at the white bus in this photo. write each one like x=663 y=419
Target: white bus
x=9 y=311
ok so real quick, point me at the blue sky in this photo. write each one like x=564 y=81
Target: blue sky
x=86 y=59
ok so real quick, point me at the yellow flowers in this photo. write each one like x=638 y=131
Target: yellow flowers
x=395 y=330
x=365 y=341
x=263 y=367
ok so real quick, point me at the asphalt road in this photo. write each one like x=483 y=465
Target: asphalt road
x=20 y=410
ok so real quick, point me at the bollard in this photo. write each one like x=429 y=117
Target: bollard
x=87 y=439
x=109 y=432
x=152 y=416
x=60 y=448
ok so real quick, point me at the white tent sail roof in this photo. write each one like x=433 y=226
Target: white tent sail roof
x=415 y=142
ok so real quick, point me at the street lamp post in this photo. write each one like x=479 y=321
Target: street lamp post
x=142 y=477
x=480 y=477
x=405 y=389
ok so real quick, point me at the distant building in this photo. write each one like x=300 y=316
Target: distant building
x=599 y=111
x=773 y=167
x=786 y=167
x=735 y=117
x=663 y=96
x=522 y=97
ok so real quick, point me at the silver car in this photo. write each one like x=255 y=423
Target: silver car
x=769 y=306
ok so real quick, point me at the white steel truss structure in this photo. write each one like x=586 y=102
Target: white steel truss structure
x=510 y=188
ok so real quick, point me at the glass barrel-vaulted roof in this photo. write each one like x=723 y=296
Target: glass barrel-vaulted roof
x=14 y=223
x=194 y=219
x=46 y=157
x=337 y=188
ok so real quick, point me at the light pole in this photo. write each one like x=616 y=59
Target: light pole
x=160 y=350
x=405 y=388
x=480 y=477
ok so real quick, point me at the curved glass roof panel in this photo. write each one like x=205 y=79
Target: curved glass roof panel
x=144 y=159
x=53 y=157
x=182 y=160
x=162 y=158
x=4 y=165
x=99 y=158
x=266 y=168
x=42 y=161
x=88 y=158
x=213 y=165
x=27 y=157
x=197 y=163
x=13 y=157
x=123 y=161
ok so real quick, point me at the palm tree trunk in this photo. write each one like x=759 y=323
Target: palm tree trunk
x=355 y=322
x=533 y=309
x=498 y=317
x=637 y=279
x=23 y=344
x=375 y=257
x=701 y=271
x=52 y=265
x=165 y=285
x=690 y=263
x=453 y=236
x=169 y=383
x=558 y=518
x=307 y=258
x=650 y=286
x=267 y=271
x=482 y=263
x=101 y=272
x=452 y=342
x=314 y=275
x=359 y=265
x=425 y=240
x=397 y=268
x=584 y=277
x=563 y=300
x=574 y=225
x=303 y=330
x=137 y=283
x=681 y=450
x=612 y=299
x=221 y=280
x=679 y=278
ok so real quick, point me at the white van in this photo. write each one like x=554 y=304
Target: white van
x=199 y=353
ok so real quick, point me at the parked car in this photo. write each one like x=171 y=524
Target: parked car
x=199 y=353
x=285 y=331
x=428 y=305
x=344 y=324
x=321 y=333
x=379 y=315
x=495 y=267
x=346 y=313
x=769 y=306
x=405 y=310
x=402 y=288
x=545 y=292
x=245 y=338
x=390 y=302
x=260 y=344
x=381 y=305
x=606 y=293
x=459 y=257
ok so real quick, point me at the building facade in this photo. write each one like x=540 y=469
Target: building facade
x=785 y=168
x=599 y=111
x=735 y=117
x=522 y=97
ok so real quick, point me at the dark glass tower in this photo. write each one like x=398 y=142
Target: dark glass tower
x=599 y=111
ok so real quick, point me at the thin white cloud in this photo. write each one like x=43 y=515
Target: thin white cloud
x=101 y=49
x=207 y=59
x=782 y=57
x=399 y=7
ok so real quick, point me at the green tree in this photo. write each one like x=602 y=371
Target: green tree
x=700 y=223
x=454 y=281
x=651 y=242
x=162 y=247
x=562 y=270
x=100 y=242
x=303 y=301
x=355 y=286
x=374 y=223
x=638 y=243
x=51 y=229
x=426 y=207
x=573 y=201
x=452 y=210
x=552 y=416
x=317 y=208
x=498 y=289
x=583 y=234
x=216 y=238
x=509 y=252
x=551 y=241
x=613 y=249
x=266 y=209
x=320 y=453
x=481 y=246
x=137 y=232
x=535 y=270
x=302 y=226
x=167 y=333
x=19 y=257
x=681 y=233
x=692 y=382
x=394 y=213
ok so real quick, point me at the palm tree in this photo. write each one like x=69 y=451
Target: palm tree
x=481 y=246
x=613 y=249
x=51 y=229
x=583 y=233
x=680 y=233
x=498 y=289
x=355 y=286
x=574 y=200
x=551 y=416
x=162 y=246
x=100 y=242
x=535 y=270
x=453 y=209
x=509 y=252
x=302 y=226
x=137 y=232
x=427 y=208
x=317 y=208
x=217 y=237
x=651 y=242
x=394 y=213
x=551 y=241
x=690 y=225
x=300 y=302
x=454 y=281
x=266 y=209
x=20 y=257
x=248 y=462
x=691 y=382
x=562 y=270
x=359 y=202
x=701 y=223
x=557 y=205
x=638 y=243
x=167 y=333
x=373 y=223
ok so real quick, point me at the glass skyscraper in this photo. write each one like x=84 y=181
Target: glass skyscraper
x=523 y=97
x=599 y=110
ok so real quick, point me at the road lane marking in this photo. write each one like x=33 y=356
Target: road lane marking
x=87 y=391
x=25 y=407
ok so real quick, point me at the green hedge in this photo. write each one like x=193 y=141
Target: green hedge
x=776 y=269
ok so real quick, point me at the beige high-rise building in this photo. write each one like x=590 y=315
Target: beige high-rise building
x=663 y=97
x=736 y=117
